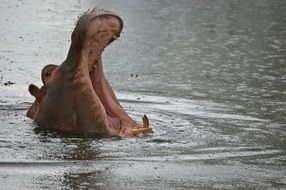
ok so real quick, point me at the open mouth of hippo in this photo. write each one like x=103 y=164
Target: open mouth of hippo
x=92 y=105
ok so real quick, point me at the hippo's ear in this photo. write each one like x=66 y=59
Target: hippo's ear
x=36 y=92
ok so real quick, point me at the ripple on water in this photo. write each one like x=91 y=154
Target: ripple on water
x=186 y=131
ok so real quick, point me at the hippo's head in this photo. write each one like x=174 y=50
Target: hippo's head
x=75 y=95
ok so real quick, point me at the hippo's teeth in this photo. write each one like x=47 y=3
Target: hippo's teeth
x=141 y=130
x=119 y=125
x=122 y=130
x=145 y=121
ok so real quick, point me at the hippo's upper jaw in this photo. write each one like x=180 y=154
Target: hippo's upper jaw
x=76 y=95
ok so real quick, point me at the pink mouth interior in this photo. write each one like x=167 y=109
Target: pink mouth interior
x=101 y=31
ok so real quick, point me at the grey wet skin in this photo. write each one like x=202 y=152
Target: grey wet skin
x=76 y=97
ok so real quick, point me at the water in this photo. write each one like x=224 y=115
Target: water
x=210 y=75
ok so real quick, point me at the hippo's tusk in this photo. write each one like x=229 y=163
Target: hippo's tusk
x=144 y=129
x=120 y=125
x=145 y=121
x=140 y=130
x=121 y=128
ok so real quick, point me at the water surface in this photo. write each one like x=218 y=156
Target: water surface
x=210 y=75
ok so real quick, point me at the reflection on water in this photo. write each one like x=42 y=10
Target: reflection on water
x=196 y=144
x=210 y=75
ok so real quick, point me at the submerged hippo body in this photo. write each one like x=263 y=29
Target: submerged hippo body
x=76 y=95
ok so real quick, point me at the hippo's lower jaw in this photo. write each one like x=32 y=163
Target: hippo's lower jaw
x=76 y=95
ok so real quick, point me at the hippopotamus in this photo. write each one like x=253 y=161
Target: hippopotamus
x=76 y=96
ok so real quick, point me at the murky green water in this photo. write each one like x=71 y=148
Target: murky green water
x=210 y=75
